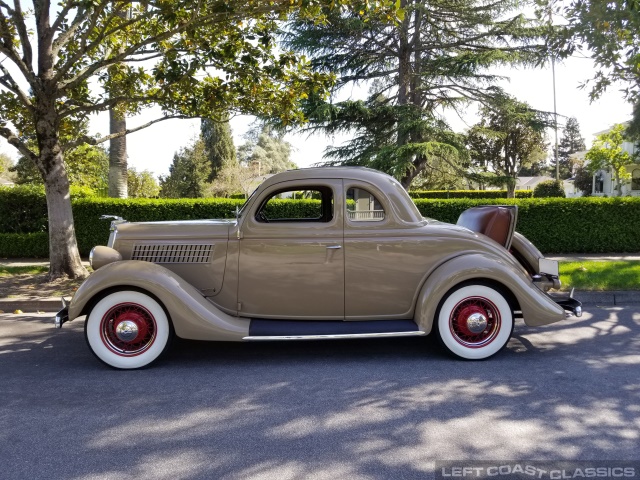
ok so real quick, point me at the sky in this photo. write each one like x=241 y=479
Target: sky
x=153 y=148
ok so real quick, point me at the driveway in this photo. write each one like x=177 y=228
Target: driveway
x=386 y=408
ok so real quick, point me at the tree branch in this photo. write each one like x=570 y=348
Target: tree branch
x=95 y=141
x=24 y=36
x=10 y=84
x=15 y=141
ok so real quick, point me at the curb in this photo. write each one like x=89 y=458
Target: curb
x=31 y=305
x=601 y=299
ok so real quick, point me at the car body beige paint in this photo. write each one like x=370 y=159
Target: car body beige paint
x=193 y=316
x=397 y=268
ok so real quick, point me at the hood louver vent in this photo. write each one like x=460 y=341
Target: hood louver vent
x=177 y=253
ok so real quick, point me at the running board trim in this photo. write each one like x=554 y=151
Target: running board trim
x=334 y=336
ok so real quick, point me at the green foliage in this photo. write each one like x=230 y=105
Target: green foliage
x=467 y=194
x=611 y=33
x=188 y=173
x=570 y=143
x=87 y=166
x=21 y=245
x=438 y=57
x=549 y=188
x=509 y=137
x=266 y=151
x=583 y=180
x=218 y=142
x=6 y=165
x=607 y=152
x=23 y=208
x=142 y=184
x=554 y=225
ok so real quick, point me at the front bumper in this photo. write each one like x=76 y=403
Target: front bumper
x=63 y=315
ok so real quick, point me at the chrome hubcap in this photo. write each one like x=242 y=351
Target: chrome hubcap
x=127 y=330
x=476 y=322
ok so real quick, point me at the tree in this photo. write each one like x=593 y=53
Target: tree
x=570 y=143
x=611 y=33
x=607 y=153
x=437 y=57
x=142 y=184
x=188 y=173
x=510 y=136
x=86 y=165
x=583 y=180
x=193 y=59
x=267 y=150
x=6 y=166
x=549 y=188
x=218 y=143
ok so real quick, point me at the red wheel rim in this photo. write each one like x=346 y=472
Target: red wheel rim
x=468 y=315
x=128 y=329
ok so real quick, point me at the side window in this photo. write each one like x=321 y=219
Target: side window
x=363 y=206
x=304 y=204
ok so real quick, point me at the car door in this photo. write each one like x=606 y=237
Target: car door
x=291 y=263
x=383 y=265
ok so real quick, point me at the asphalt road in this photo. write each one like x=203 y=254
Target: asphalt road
x=352 y=409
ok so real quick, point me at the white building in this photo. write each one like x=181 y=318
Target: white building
x=604 y=181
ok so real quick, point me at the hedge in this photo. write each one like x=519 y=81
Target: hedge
x=554 y=225
x=467 y=194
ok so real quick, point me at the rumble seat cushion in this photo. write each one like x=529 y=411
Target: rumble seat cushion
x=495 y=221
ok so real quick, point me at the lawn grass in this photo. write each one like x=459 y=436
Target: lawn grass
x=601 y=275
x=29 y=269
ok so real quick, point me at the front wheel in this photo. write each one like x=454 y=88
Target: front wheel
x=127 y=330
x=474 y=322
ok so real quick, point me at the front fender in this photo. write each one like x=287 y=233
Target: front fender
x=193 y=316
x=537 y=308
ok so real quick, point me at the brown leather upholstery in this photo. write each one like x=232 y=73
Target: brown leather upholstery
x=496 y=222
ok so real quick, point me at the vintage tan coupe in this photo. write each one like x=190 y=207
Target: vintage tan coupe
x=358 y=260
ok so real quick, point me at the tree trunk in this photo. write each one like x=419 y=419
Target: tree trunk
x=618 y=184
x=511 y=188
x=117 y=156
x=64 y=256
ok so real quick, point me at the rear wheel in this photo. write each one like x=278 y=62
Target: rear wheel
x=127 y=330
x=474 y=322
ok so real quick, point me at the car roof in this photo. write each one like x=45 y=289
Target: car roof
x=355 y=173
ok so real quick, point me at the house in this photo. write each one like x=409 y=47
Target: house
x=604 y=181
x=529 y=183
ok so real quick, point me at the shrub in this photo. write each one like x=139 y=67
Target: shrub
x=554 y=225
x=549 y=188
x=444 y=194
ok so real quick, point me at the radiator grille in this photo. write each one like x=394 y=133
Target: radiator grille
x=176 y=253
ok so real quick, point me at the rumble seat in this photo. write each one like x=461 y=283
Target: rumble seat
x=497 y=222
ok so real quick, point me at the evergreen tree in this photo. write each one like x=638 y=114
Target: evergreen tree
x=267 y=151
x=218 y=143
x=188 y=173
x=437 y=57
x=509 y=137
x=570 y=143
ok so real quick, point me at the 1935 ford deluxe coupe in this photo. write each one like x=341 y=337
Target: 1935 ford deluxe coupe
x=357 y=259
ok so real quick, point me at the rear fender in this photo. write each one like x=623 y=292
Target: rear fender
x=537 y=308
x=193 y=316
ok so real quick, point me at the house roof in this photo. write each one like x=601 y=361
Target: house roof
x=531 y=181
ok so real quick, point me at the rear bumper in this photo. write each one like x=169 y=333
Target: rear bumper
x=570 y=304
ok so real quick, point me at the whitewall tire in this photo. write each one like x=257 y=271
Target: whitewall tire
x=474 y=322
x=127 y=329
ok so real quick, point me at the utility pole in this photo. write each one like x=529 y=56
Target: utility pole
x=555 y=112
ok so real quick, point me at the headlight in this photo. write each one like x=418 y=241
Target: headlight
x=101 y=256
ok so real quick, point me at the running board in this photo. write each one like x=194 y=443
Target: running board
x=260 y=329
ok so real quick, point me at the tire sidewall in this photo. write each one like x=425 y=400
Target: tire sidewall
x=448 y=339
x=94 y=336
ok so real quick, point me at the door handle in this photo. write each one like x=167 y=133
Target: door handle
x=334 y=247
